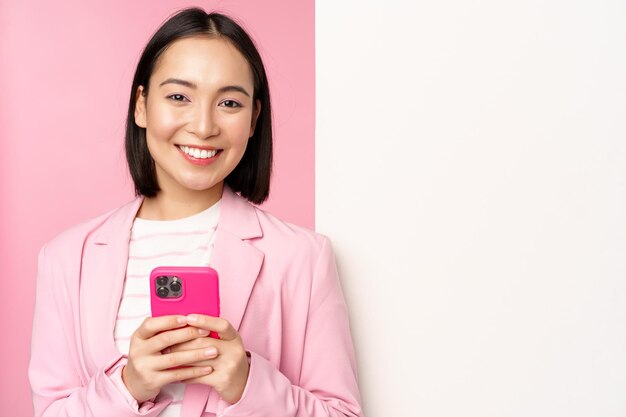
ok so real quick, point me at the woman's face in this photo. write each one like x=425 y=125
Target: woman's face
x=198 y=114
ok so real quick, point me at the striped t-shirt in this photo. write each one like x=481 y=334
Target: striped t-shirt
x=182 y=242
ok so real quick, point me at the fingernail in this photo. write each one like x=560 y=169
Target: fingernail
x=210 y=352
x=192 y=319
x=203 y=332
x=182 y=320
x=207 y=370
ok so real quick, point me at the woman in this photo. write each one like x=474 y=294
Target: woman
x=198 y=133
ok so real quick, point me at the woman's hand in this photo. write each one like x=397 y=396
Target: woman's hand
x=230 y=363
x=147 y=370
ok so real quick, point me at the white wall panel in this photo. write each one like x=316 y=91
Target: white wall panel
x=471 y=172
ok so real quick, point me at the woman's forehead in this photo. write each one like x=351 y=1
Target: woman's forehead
x=203 y=61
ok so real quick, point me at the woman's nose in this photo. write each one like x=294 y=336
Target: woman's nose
x=204 y=123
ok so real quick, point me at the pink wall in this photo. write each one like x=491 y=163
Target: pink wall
x=65 y=74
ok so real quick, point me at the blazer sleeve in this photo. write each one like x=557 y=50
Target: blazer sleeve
x=59 y=385
x=328 y=381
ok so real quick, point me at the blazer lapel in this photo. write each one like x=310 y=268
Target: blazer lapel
x=237 y=263
x=103 y=270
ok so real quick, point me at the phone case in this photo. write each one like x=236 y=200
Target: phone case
x=199 y=295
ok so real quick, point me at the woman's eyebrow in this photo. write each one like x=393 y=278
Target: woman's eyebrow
x=194 y=86
x=179 y=81
x=233 y=88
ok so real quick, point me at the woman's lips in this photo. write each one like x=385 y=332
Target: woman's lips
x=198 y=161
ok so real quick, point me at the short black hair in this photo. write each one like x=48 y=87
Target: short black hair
x=251 y=177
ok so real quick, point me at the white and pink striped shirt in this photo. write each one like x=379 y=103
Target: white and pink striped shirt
x=182 y=242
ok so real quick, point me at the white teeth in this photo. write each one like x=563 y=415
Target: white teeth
x=198 y=153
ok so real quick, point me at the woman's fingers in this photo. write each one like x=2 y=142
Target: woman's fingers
x=174 y=337
x=230 y=364
x=154 y=325
x=198 y=357
x=181 y=374
x=199 y=343
x=217 y=324
x=157 y=333
x=196 y=343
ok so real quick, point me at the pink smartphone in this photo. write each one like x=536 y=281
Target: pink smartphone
x=185 y=290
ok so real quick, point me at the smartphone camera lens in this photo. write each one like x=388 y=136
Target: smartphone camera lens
x=162 y=292
x=161 y=281
x=175 y=286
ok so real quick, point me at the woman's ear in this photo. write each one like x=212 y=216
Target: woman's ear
x=140 y=107
x=255 y=116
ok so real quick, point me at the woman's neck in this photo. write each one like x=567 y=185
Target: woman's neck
x=173 y=206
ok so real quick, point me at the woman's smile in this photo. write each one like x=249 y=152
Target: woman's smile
x=199 y=155
x=199 y=114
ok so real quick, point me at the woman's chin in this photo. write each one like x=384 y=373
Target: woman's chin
x=202 y=186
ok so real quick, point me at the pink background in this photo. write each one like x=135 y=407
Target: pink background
x=65 y=75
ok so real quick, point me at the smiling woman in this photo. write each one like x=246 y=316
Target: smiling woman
x=199 y=149
x=194 y=69
x=198 y=120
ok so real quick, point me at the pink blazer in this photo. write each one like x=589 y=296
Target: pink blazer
x=278 y=286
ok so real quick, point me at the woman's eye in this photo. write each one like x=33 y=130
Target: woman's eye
x=176 y=97
x=230 y=103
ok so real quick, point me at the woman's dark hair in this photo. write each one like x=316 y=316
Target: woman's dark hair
x=251 y=177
